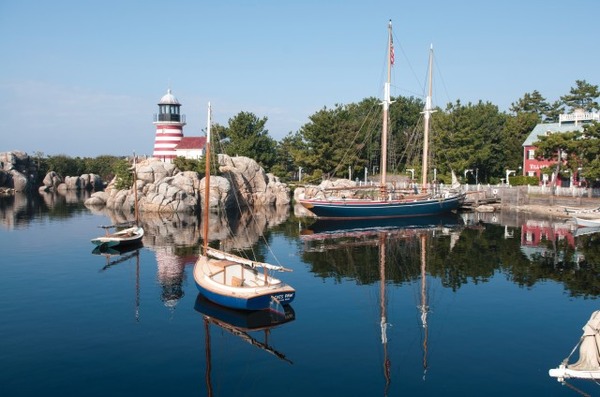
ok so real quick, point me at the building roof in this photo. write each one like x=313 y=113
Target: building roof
x=544 y=129
x=567 y=123
x=191 y=142
x=168 y=99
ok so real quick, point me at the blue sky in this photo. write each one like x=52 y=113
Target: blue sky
x=83 y=78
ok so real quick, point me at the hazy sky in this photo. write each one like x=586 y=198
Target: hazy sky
x=83 y=78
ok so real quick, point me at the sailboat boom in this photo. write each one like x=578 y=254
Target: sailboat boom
x=238 y=259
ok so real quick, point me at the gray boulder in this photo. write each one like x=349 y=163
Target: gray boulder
x=17 y=171
x=252 y=185
x=51 y=182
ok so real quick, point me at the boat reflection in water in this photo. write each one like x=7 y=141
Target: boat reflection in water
x=334 y=229
x=120 y=254
x=174 y=239
x=241 y=323
x=398 y=244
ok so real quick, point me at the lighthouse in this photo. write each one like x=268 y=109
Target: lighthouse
x=169 y=124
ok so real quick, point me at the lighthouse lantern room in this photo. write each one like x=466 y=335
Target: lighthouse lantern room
x=169 y=124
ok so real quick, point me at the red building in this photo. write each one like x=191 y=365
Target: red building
x=567 y=123
x=191 y=147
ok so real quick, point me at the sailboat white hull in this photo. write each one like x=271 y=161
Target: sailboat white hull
x=129 y=236
x=239 y=286
x=562 y=373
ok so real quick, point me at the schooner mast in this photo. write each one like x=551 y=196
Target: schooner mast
x=427 y=115
x=386 y=106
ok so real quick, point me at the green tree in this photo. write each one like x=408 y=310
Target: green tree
x=65 y=165
x=246 y=135
x=348 y=137
x=472 y=137
x=583 y=96
x=103 y=165
x=554 y=111
x=124 y=175
x=516 y=130
x=531 y=103
x=319 y=140
x=184 y=164
x=287 y=155
x=558 y=147
x=336 y=139
x=554 y=145
x=588 y=153
x=406 y=140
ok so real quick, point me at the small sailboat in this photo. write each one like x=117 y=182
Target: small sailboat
x=588 y=364
x=233 y=281
x=391 y=203
x=128 y=234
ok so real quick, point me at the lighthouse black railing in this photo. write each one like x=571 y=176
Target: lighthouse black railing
x=179 y=118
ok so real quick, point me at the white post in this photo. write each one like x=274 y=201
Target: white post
x=508 y=172
x=299 y=174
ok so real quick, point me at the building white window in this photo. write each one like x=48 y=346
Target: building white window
x=531 y=154
x=530 y=173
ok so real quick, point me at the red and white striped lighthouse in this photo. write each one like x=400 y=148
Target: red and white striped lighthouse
x=169 y=124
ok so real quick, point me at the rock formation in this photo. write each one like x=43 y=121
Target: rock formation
x=54 y=183
x=161 y=187
x=17 y=171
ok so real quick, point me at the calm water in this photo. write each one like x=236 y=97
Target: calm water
x=505 y=299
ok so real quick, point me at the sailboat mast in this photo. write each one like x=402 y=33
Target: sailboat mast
x=135 y=197
x=206 y=183
x=386 y=107
x=427 y=112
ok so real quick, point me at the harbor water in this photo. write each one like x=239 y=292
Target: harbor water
x=464 y=305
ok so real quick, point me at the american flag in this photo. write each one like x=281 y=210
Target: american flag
x=391 y=50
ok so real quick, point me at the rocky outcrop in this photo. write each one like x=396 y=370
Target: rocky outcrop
x=51 y=182
x=17 y=171
x=162 y=188
x=335 y=188
x=54 y=183
x=252 y=184
x=83 y=182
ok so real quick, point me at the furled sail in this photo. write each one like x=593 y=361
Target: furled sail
x=589 y=353
x=588 y=364
x=234 y=258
